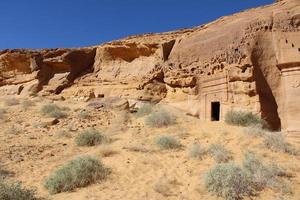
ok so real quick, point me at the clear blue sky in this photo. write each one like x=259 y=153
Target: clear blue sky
x=74 y=23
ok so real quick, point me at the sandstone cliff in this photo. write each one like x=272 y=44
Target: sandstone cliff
x=247 y=61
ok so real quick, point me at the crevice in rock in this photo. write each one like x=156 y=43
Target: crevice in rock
x=166 y=49
x=269 y=107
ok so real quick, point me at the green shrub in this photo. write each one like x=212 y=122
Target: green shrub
x=160 y=119
x=219 y=153
x=90 y=137
x=52 y=110
x=77 y=173
x=241 y=118
x=167 y=142
x=15 y=191
x=11 y=102
x=197 y=151
x=144 y=110
x=276 y=141
x=228 y=181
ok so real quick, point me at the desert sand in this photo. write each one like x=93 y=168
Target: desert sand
x=139 y=169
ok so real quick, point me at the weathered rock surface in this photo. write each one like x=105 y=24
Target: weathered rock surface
x=247 y=61
x=109 y=103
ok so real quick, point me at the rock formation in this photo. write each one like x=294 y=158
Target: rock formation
x=247 y=61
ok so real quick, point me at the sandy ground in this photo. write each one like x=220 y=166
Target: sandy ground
x=29 y=153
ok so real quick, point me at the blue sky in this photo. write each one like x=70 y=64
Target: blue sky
x=75 y=23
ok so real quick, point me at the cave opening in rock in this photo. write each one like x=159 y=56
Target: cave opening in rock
x=215 y=111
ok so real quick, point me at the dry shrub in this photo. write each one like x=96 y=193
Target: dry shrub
x=144 y=110
x=26 y=104
x=255 y=130
x=52 y=110
x=80 y=172
x=219 y=153
x=241 y=118
x=160 y=119
x=84 y=114
x=15 y=191
x=167 y=142
x=229 y=181
x=197 y=151
x=233 y=182
x=276 y=141
x=262 y=175
x=90 y=137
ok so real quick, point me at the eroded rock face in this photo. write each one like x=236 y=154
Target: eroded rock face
x=39 y=70
x=247 y=61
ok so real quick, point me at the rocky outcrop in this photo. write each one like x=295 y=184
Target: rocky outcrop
x=247 y=61
x=35 y=69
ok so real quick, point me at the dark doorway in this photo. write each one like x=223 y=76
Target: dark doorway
x=215 y=111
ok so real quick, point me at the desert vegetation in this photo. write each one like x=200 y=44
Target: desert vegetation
x=26 y=104
x=159 y=119
x=90 y=137
x=167 y=142
x=84 y=114
x=197 y=151
x=241 y=118
x=15 y=191
x=144 y=110
x=276 y=141
x=219 y=153
x=262 y=175
x=79 y=172
x=255 y=130
x=52 y=110
x=230 y=181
